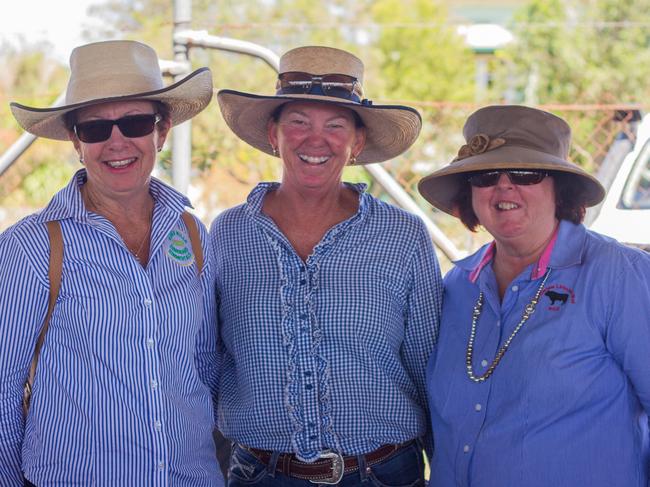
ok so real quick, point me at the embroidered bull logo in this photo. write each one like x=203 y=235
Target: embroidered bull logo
x=555 y=296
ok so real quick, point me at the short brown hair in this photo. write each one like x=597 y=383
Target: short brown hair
x=570 y=201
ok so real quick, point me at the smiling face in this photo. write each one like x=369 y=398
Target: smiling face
x=315 y=141
x=119 y=167
x=521 y=217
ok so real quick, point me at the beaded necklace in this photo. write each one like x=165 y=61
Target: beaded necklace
x=478 y=307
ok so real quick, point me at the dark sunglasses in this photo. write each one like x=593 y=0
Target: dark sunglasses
x=337 y=85
x=131 y=126
x=520 y=177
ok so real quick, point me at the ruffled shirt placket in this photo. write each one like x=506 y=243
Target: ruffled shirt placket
x=307 y=392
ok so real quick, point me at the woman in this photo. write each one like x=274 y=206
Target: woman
x=542 y=373
x=122 y=394
x=328 y=298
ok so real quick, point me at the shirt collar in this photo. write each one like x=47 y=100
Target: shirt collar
x=68 y=202
x=256 y=197
x=566 y=253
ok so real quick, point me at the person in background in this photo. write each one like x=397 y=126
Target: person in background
x=328 y=299
x=541 y=376
x=123 y=391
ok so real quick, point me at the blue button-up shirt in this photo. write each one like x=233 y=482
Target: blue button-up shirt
x=122 y=391
x=568 y=404
x=329 y=353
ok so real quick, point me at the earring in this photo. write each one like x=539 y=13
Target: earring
x=81 y=159
x=353 y=160
x=275 y=151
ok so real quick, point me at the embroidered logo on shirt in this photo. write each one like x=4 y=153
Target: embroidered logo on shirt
x=178 y=248
x=558 y=295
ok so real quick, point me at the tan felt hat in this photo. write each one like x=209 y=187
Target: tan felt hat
x=508 y=137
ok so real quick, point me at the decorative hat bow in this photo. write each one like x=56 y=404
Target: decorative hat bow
x=478 y=144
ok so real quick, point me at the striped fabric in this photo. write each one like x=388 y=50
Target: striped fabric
x=329 y=353
x=123 y=390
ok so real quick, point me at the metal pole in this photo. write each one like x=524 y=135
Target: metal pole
x=16 y=149
x=182 y=134
x=405 y=201
x=201 y=38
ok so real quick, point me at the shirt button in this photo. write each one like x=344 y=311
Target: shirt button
x=309 y=386
x=484 y=363
x=308 y=373
x=150 y=342
x=303 y=316
x=161 y=466
x=498 y=322
x=147 y=302
x=303 y=281
x=312 y=437
x=154 y=384
x=515 y=288
x=157 y=425
x=478 y=407
x=466 y=448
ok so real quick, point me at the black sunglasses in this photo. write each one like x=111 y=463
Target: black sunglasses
x=337 y=85
x=520 y=177
x=131 y=126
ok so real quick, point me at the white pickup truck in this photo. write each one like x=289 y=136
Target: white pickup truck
x=625 y=173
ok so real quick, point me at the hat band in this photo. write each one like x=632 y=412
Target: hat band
x=330 y=85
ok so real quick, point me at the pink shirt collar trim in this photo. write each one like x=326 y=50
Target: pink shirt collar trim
x=538 y=271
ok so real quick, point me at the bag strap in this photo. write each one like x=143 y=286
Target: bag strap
x=54 y=276
x=195 y=239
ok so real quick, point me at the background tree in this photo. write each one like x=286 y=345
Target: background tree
x=31 y=78
x=579 y=52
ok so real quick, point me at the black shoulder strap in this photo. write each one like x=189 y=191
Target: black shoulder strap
x=54 y=276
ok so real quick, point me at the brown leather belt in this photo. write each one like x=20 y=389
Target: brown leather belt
x=329 y=468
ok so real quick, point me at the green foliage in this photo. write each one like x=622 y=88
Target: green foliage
x=32 y=79
x=422 y=57
x=579 y=51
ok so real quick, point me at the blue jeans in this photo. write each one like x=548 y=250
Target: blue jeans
x=404 y=468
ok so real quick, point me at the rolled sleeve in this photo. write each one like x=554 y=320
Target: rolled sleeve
x=23 y=304
x=207 y=362
x=628 y=333
x=423 y=316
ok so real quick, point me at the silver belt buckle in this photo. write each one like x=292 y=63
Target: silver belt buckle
x=338 y=467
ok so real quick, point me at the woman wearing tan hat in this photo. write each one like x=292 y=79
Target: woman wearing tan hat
x=122 y=388
x=541 y=376
x=328 y=298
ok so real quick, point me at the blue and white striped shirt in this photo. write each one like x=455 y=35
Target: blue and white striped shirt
x=329 y=353
x=122 y=394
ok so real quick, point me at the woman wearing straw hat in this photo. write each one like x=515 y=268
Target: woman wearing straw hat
x=542 y=372
x=122 y=391
x=328 y=298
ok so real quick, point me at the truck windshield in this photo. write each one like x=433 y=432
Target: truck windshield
x=637 y=188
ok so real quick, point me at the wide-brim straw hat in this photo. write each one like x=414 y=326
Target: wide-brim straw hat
x=117 y=71
x=509 y=137
x=390 y=129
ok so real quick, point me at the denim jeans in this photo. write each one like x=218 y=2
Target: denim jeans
x=404 y=468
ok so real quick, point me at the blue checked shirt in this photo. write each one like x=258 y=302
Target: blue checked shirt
x=329 y=353
x=123 y=388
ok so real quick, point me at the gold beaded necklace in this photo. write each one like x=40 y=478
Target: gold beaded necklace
x=478 y=307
